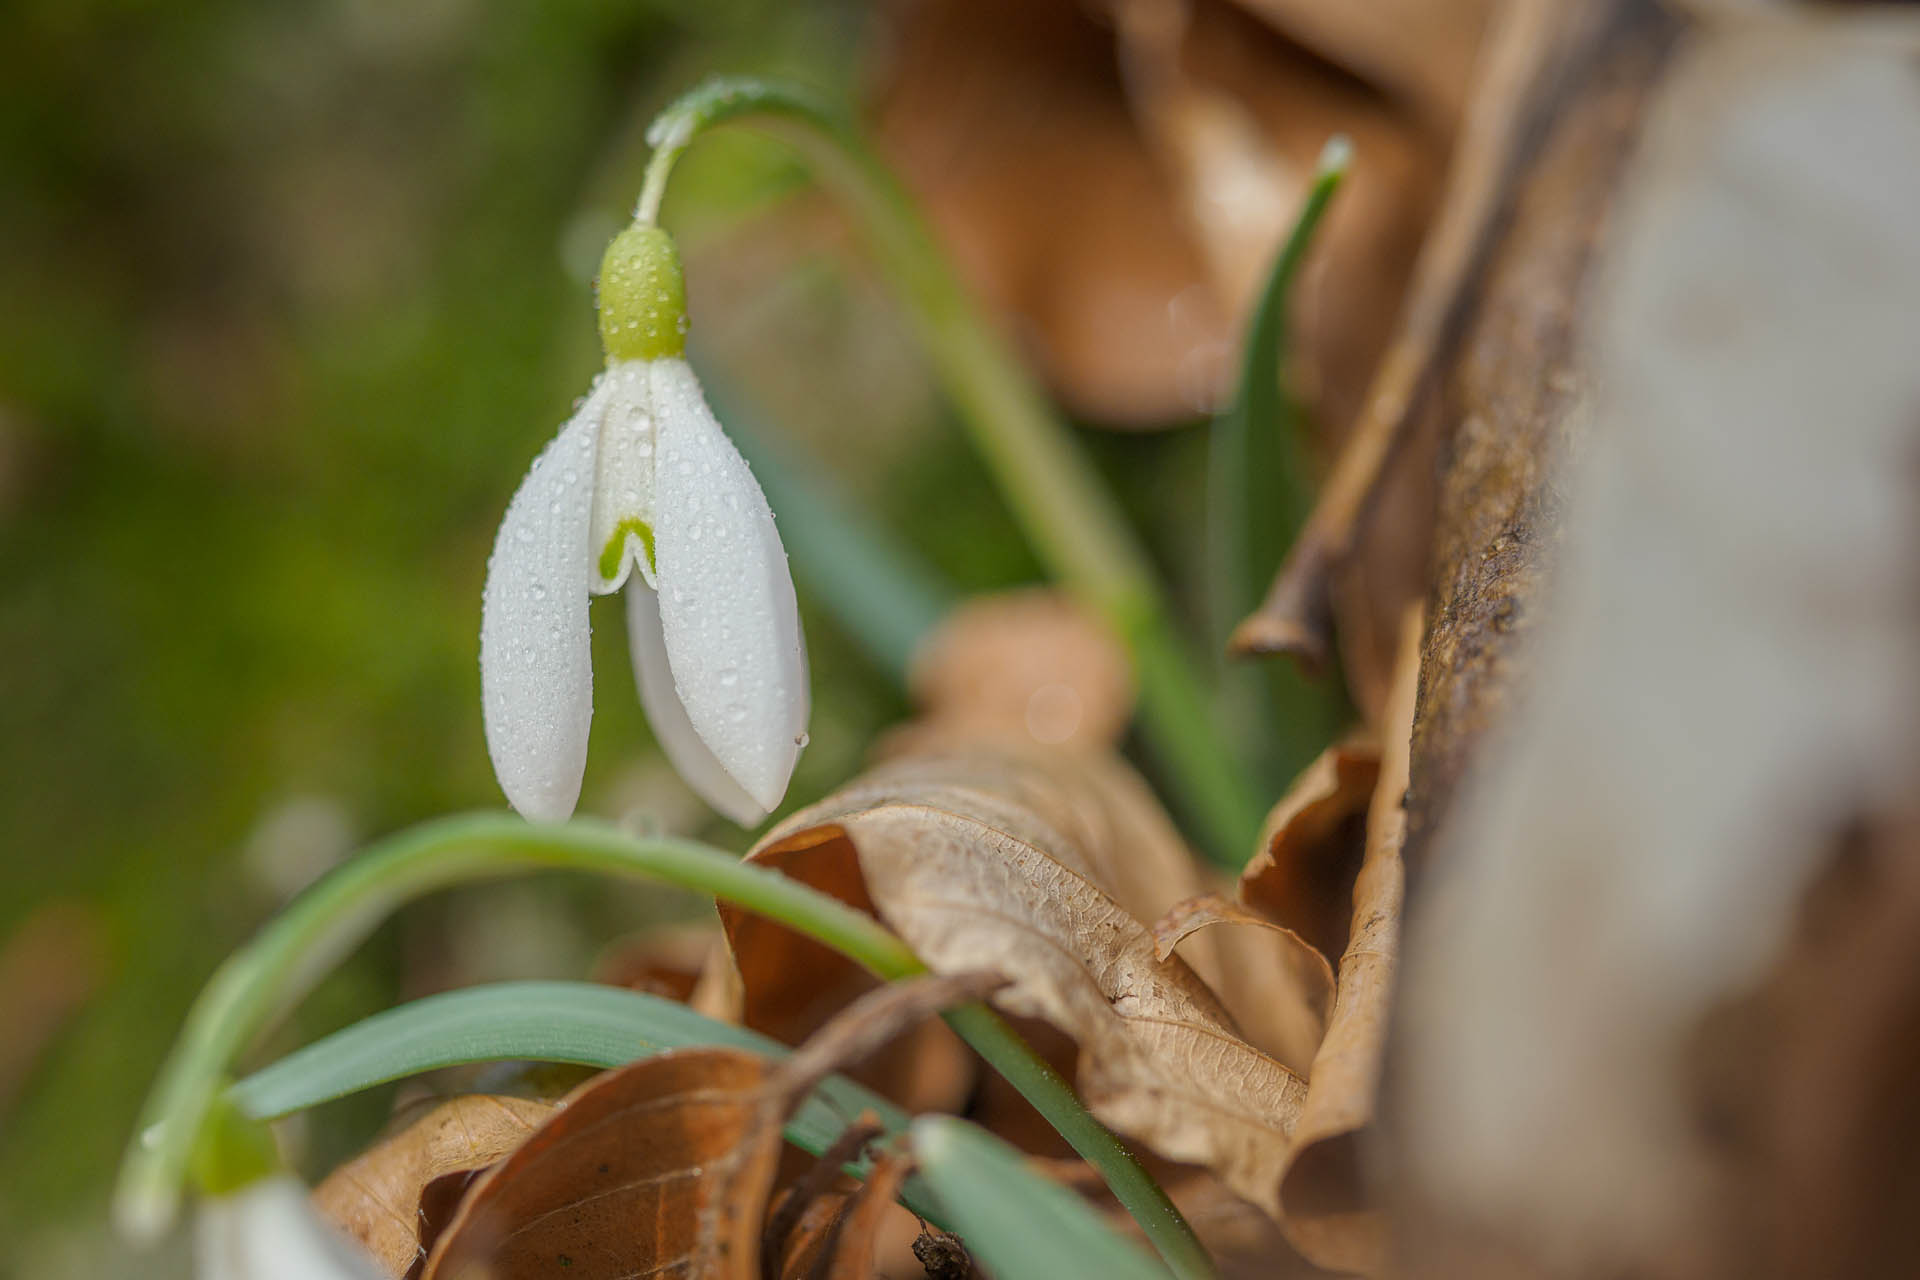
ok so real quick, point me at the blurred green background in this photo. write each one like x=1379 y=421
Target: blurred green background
x=289 y=297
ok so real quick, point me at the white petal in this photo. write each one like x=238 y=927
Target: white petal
x=727 y=610
x=269 y=1231
x=668 y=718
x=536 y=666
x=623 y=485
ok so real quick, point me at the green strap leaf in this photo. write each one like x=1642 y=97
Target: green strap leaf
x=1023 y=1226
x=581 y=1023
x=1260 y=489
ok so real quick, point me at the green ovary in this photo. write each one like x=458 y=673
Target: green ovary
x=643 y=297
x=616 y=546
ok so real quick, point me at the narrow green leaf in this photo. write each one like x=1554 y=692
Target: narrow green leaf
x=1021 y=1225
x=582 y=1023
x=1260 y=491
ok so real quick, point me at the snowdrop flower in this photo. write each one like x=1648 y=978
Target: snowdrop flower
x=642 y=489
x=268 y=1230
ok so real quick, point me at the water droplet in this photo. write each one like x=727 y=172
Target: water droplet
x=801 y=740
x=525 y=534
x=737 y=712
x=569 y=476
x=528 y=655
x=537 y=591
x=729 y=676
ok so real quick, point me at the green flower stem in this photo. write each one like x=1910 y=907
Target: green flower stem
x=1135 y=1188
x=1067 y=514
x=293 y=951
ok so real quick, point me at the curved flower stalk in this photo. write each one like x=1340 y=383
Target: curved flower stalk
x=643 y=478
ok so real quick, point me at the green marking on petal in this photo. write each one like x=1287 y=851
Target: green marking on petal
x=617 y=545
x=643 y=297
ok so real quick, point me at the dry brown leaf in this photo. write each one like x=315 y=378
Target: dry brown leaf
x=799 y=1230
x=1236 y=118
x=1327 y=1214
x=1294 y=963
x=1116 y=190
x=1007 y=119
x=666 y=1164
x=1311 y=846
x=688 y=963
x=663 y=1164
x=1421 y=50
x=872 y=1220
x=376 y=1197
x=1028 y=668
x=994 y=859
x=852 y=1232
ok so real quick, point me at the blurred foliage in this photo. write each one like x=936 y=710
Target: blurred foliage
x=289 y=296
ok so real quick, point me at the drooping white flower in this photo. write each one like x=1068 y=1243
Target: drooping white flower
x=643 y=478
x=269 y=1230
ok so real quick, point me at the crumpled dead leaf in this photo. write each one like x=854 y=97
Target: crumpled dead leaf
x=986 y=858
x=1115 y=193
x=997 y=673
x=1311 y=846
x=687 y=962
x=1329 y=1214
x=1029 y=667
x=376 y=1196
x=852 y=1233
x=666 y=1164
x=1293 y=963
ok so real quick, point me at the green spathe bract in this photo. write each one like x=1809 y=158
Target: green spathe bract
x=234 y=1150
x=643 y=296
